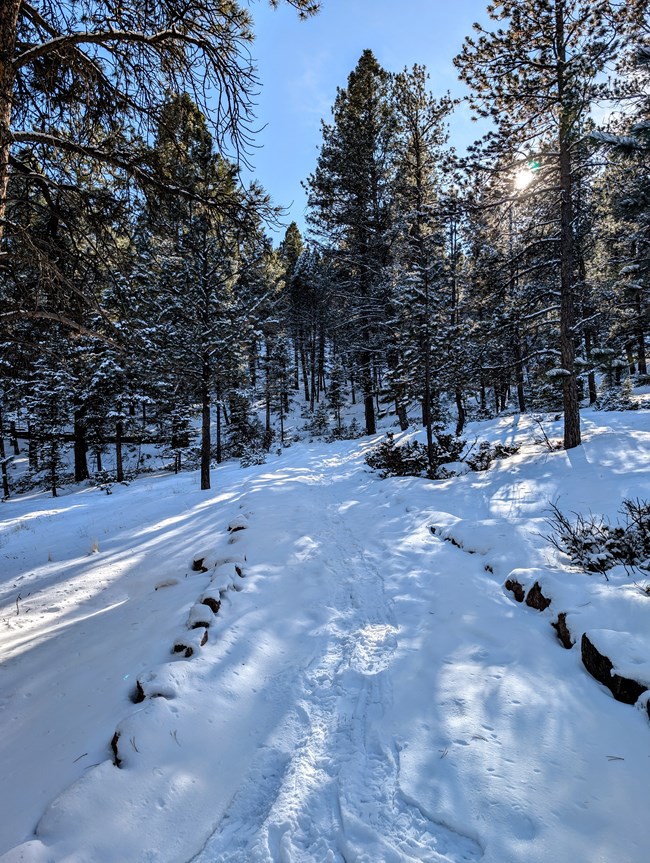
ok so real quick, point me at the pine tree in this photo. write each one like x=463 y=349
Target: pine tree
x=419 y=298
x=536 y=76
x=350 y=208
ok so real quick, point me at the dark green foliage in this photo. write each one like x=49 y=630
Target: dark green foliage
x=595 y=545
x=319 y=423
x=412 y=458
x=252 y=456
x=488 y=453
x=391 y=459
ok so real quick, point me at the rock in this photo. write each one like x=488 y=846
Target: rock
x=599 y=666
x=184 y=649
x=516 y=588
x=560 y=626
x=536 y=598
x=197 y=565
x=238 y=523
x=213 y=604
x=168 y=582
x=116 y=757
x=138 y=696
x=200 y=616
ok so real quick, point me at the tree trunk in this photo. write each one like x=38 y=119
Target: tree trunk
x=312 y=368
x=571 y=404
x=322 y=386
x=9 y=10
x=205 y=423
x=80 y=447
x=400 y=409
x=591 y=376
x=519 y=374
x=13 y=439
x=119 y=464
x=366 y=386
x=296 y=364
x=54 y=457
x=427 y=419
x=460 y=425
x=252 y=363
x=305 y=372
x=3 y=462
x=219 y=443
x=32 y=449
x=641 y=354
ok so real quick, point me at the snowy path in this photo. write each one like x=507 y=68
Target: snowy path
x=327 y=787
x=371 y=695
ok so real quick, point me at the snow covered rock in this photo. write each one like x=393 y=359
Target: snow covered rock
x=162 y=683
x=227 y=576
x=516 y=588
x=563 y=632
x=200 y=615
x=191 y=642
x=619 y=661
x=213 y=600
x=240 y=522
x=536 y=599
x=198 y=563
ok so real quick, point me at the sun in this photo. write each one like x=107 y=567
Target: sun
x=523 y=178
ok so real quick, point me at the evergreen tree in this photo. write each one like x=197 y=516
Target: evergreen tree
x=350 y=208
x=537 y=76
x=419 y=297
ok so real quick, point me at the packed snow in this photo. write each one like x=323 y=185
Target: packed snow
x=360 y=685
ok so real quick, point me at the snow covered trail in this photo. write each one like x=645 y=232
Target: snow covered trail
x=326 y=787
x=372 y=694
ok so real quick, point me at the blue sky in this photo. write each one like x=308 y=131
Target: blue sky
x=301 y=63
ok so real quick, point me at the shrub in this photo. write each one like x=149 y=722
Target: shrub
x=487 y=453
x=593 y=544
x=252 y=456
x=616 y=399
x=346 y=432
x=483 y=458
x=319 y=422
x=411 y=459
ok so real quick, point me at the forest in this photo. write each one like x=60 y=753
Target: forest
x=143 y=300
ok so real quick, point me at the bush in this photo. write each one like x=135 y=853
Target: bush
x=346 y=432
x=411 y=459
x=483 y=457
x=252 y=456
x=487 y=453
x=593 y=544
x=319 y=421
x=616 y=399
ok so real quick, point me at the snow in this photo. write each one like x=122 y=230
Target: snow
x=369 y=691
x=631 y=653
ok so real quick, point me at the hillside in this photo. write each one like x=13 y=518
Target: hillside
x=369 y=690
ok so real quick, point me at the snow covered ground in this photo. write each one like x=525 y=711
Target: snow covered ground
x=368 y=691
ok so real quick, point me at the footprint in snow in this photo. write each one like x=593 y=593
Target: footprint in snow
x=374 y=646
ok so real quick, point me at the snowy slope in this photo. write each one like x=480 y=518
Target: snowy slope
x=368 y=692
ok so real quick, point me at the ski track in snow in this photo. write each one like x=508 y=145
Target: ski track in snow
x=329 y=789
x=372 y=695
